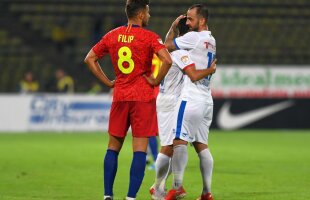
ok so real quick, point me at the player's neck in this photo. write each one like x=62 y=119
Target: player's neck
x=135 y=22
x=203 y=28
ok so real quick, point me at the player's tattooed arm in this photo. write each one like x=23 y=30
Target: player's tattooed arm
x=92 y=62
x=172 y=33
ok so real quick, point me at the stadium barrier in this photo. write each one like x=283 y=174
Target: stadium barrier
x=50 y=112
x=244 y=97
x=261 y=97
x=231 y=114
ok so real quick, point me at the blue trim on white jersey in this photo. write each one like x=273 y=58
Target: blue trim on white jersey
x=175 y=43
x=180 y=119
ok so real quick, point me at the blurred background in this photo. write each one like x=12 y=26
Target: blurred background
x=44 y=35
x=263 y=52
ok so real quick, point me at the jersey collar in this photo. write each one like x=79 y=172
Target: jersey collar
x=132 y=25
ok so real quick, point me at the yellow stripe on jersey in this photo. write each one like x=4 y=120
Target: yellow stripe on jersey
x=156 y=64
x=128 y=28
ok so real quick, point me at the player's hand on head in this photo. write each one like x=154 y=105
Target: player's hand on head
x=176 y=21
x=150 y=79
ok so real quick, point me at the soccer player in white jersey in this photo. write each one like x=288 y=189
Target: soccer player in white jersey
x=170 y=90
x=195 y=105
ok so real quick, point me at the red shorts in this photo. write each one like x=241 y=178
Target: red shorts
x=141 y=116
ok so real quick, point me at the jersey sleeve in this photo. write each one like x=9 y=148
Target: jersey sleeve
x=183 y=59
x=101 y=48
x=187 y=41
x=157 y=43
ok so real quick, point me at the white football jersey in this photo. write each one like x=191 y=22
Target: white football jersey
x=172 y=84
x=202 y=50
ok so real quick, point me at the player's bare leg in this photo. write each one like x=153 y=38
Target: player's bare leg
x=140 y=144
x=206 y=168
x=115 y=143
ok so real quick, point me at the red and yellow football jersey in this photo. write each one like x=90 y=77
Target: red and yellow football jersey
x=131 y=49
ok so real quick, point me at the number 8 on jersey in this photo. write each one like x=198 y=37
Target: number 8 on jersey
x=124 y=55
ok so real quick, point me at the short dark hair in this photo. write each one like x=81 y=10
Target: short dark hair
x=134 y=6
x=182 y=27
x=202 y=10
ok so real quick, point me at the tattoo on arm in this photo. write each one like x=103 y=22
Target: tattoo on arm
x=172 y=33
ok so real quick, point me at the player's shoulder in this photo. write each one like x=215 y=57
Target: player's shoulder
x=116 y=30
x=189 y=37
x=191 y=34
x=206 y=34
x=149 y=32
x=151 y=37
x=112 y=32
x=196 y=34
x=179 y=52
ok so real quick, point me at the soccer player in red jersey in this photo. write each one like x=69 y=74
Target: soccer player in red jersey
x=131 y=49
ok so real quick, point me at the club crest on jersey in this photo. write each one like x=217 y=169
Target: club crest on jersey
x=210 y=46
x=185 y=59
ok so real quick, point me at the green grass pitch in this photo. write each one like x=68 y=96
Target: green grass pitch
x=249 y=165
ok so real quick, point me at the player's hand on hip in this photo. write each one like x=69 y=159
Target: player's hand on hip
x=213 y=66
x=150 y=79
x=112 y=84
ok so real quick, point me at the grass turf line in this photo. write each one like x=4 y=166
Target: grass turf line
x=249 y=165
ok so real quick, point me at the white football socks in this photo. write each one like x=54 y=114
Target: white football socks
x=162 y=166
x=179 y=162
x=206 y=168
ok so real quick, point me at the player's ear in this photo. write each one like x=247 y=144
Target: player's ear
x=202 y=21
x=141 y=15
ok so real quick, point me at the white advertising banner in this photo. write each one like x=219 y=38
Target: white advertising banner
x=261 y=81
x=14 y=112
x=54 y=112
